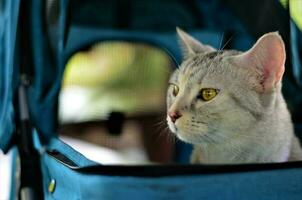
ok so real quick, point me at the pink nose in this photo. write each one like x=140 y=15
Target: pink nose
x=174 y=116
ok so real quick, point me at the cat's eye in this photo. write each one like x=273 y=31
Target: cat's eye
x=207 y=94
x=175 y=89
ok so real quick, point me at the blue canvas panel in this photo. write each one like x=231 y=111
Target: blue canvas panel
x=8 y=32
x=166 y=40
x=73 y=184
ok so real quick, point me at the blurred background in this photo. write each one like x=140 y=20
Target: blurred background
x=113 y=95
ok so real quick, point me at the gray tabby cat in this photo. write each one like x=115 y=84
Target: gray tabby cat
x=229 y=105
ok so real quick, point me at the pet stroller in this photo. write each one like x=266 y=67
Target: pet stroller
x=37 y=39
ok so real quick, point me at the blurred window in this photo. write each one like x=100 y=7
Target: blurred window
x=114 y=95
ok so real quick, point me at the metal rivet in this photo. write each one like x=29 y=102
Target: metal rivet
x=52 y=186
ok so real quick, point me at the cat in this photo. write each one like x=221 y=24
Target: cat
x=228 y=104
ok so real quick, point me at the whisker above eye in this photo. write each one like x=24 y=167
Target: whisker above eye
x=227 y=42
x=221 y=40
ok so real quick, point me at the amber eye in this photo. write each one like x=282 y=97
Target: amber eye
x=207 y=94
x=175 y=89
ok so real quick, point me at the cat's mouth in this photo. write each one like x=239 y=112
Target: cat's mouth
x=186 y=134
x=171 y=126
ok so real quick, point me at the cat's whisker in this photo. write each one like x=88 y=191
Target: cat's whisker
x=164 y=131
x=171 y=137
x=214 y=141
x=207 y=139
x=228 y=41
x=220 y=43
x=219 y=50
x=159 y=136
x=159 y=123
x=158 y=131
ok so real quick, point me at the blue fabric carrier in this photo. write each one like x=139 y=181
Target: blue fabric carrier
x=8 y=33
x=82 y=179
x=66 y=174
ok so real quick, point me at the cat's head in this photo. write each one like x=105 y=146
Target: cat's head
x=215 y=95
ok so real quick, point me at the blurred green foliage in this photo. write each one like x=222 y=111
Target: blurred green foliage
x=295 y=9
x=117 y=76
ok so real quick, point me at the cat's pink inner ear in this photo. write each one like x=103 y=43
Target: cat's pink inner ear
x=268 y=57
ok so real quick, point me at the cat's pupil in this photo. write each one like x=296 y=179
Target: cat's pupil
x=175 y=90
x=208 y=93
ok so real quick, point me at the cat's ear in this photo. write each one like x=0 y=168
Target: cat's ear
x=267 y=56
x=190 y=46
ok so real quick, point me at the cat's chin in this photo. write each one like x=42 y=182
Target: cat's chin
x=190 y=138
x=185 y=139
x=171 y=126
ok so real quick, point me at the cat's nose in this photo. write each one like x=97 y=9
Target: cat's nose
x=174 y=116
